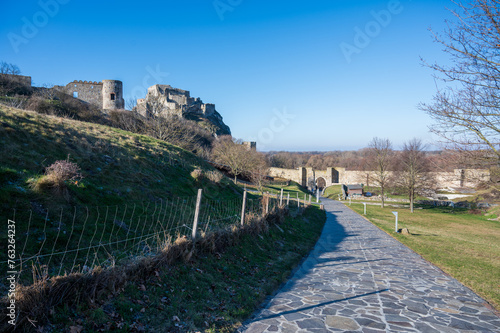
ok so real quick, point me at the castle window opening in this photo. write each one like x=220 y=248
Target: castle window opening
x=75 y=94
x=75 y=85
x=113 y=97
x=91 y=87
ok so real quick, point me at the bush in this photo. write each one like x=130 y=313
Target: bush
x=57 y=176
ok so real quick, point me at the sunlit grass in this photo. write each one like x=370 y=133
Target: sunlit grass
x=464 y=245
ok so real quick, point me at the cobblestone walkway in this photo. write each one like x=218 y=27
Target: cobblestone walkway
x=359 y=279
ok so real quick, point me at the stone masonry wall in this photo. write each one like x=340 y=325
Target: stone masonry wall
x=308 y=176
x=87 y=91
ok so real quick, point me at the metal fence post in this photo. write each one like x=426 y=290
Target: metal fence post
x=196 y=215
x=243 y=207
x=267 y=203
x=396 y=215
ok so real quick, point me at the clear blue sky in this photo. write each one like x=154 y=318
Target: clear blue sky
x=291 y=75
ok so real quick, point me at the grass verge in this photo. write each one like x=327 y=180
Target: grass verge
x=213 y=292
x=464 y=245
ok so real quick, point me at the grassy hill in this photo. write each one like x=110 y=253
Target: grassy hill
x=127 y=181
x=123 y=169
x=117 y=166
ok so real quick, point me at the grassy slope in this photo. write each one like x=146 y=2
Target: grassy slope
x=120 y=168
x=212 y=293
x=464 y=245
x=123 y=168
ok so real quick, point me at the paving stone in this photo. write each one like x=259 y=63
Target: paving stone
x=311 y=323
x=358 y=278
x=424 y=328
x=365 y=322
x=342 y=323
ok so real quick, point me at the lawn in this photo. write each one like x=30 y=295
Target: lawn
x=464 y=245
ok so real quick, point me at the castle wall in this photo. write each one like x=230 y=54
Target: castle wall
x=208 y=109
x=87 y=91
x=308 y=177
x=291 y=174
x=179 y=96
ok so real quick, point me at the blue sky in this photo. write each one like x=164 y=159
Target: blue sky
x=291 y=75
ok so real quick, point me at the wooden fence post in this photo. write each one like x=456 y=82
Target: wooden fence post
x=196 y=215
x=243 y=207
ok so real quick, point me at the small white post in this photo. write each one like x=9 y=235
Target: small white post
x=196 y=215
x=305 y=200
x=317 y=196
x=288 y=199
x=267 y=203
x=298 y=201
x=243 y=208
x=281 y=198
x=364 y=204
x=396 y=214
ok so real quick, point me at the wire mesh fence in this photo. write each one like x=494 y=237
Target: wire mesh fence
x=77 y=240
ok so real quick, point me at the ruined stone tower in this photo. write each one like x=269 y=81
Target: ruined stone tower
x=107 y=95
x=112 y=95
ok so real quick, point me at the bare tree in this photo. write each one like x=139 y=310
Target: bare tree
x=413 y=169
x=7 y=68
x=231 y=153
x=258 y=169
x=131 y=103
x=468 y=111
x=382 y=154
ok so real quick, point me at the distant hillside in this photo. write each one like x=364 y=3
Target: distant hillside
x=117 y=166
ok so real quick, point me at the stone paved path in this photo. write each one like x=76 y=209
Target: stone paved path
x=359 y=279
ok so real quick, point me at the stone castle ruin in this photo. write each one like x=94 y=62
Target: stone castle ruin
x=165 y=101
x=161 y=100
x=107 y=94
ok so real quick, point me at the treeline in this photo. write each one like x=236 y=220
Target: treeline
x=363 y=160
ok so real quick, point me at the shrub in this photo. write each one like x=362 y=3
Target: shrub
x=57 y=176
x=197 y=174
x=214 y=176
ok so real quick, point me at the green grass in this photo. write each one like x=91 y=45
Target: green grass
x=120 y=169
x=212 y=293
x=464 y=245
x=332 y=192
x=293 y=188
